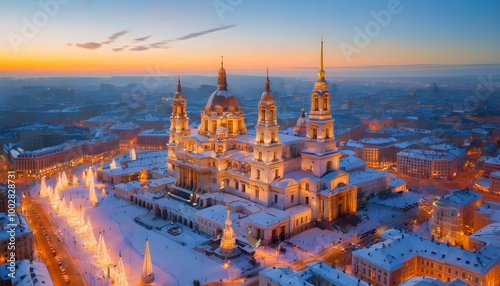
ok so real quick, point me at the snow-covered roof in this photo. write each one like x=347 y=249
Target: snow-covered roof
x=125 y=126
x=289 y=139
x=286 y=276
x=350 y=163
x=216 y=214
x=378 y=141
x=430 y=281
x=460 y=198
x=452 y=149
x=426 y=154
x=489 y=234
x=359 y=177
x=268 y=217
x=161 y=181
x=28 y=272
x=396 y=182
x=153 y=132
x=19 y=220
x=334 y=275
x=495 y=173
x=300 y=175
x=129 y=186
x=493 y=161
x=398 y=247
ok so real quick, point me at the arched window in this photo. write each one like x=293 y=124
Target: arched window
x=307 y=186
x=314 y=133
x=261 y=137
x=272 y=137
x=325 y=104
x=262 y=114
x=316 y=104
x=260 y=156
x=327 y=133
x=329 y=166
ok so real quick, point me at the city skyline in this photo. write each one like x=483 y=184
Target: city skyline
x=58 y=38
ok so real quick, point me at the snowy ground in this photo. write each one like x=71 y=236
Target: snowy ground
x=174 y=263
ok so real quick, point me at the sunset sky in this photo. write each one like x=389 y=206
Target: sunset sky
x=79 y=37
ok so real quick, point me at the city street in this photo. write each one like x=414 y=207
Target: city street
x=38 y=218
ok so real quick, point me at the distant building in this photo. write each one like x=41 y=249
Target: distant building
x=453 y=216
x=430 y=164
x=491 y=165
x=152 y=139
x=401 y=256
x=4 y=199
x=316 y=273
x=28 y=272
x=126 y=131
x=370 y=182
x=49 y=160
x=130 y=170
x=23 y=237
x=378 y=153
x=495 y=182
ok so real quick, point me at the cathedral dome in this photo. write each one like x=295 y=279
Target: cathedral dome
x=223 y=98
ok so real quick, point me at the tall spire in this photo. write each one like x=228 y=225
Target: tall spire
x=179 y=83
x=221 y=82
x=267 y=85
x=321 y=73
x=148 y=275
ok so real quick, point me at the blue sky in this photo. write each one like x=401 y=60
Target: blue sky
x=283 y=35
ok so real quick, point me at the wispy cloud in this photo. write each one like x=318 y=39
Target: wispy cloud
x=139 y=48
x=204 y=32
x=89 y=45
x=159 y=45
x=137 y=40
x=114 y=37
x=156 y=45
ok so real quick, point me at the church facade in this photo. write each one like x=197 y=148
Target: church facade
x=297 y=175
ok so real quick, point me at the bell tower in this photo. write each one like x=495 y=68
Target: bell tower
x=320 y=155
x=267 y=125
x=179 y=122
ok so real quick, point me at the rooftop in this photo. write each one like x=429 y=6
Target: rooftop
x=27 y=273
x=399 y=247
x=460 y=197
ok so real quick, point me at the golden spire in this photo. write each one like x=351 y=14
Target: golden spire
x=178 y=83
x=267 y=85
x=321 y=73
x=221 y=82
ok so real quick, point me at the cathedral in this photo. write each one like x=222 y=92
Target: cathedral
x=295 y=175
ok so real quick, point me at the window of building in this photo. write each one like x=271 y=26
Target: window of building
x=275 y=199
x=243 y=188
x=292 y=199
x=307 y=200
x=257 y=193
x=307 y=186
x=258 y=174
x=237 y=185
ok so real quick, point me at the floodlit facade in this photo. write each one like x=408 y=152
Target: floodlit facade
x=402 y=256
x=270 y=169
x=378 y=153
x=432 y=164
x=453 y=216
